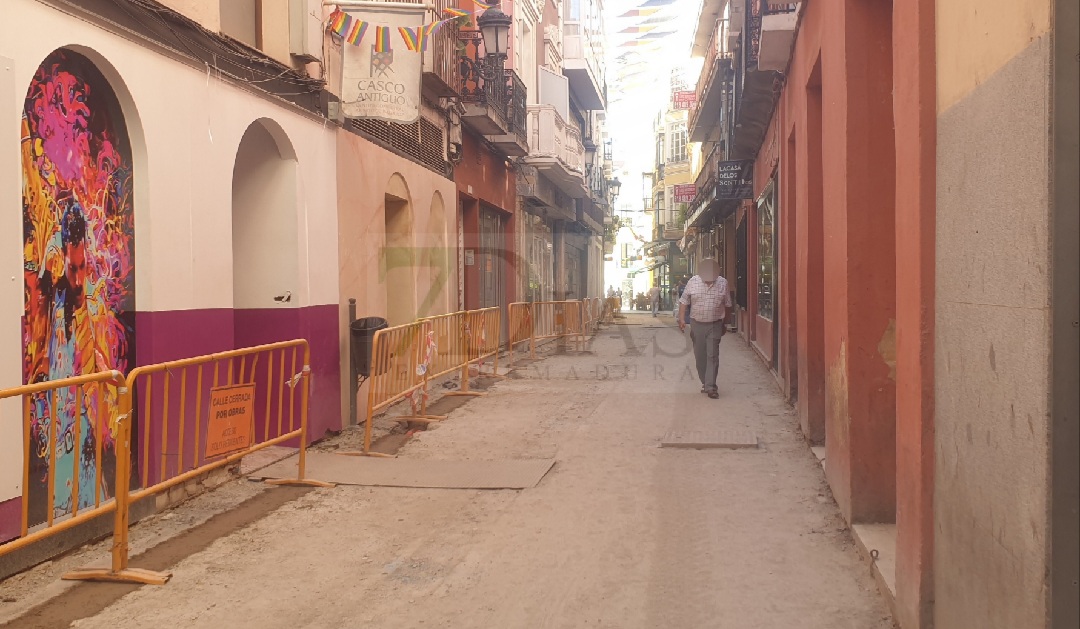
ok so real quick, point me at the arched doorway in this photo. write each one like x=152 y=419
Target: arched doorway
x=399 y=278
x=79 y=271
x=266 y=260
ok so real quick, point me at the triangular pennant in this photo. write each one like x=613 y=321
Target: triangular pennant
x=484 y=5
x=456 y=12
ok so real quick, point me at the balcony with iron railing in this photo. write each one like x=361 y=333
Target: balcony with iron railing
x=484 y=100
x=705 y=183
x=515 y=142
x=754 y=83
x=715 y=72
x=440 y=58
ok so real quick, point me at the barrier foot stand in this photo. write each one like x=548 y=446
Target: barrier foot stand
x=127 y=575
x=420 y=419
x=298 y=482
x=377 y=455
x=469 y=393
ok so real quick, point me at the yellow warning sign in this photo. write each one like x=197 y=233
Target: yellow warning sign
x=231 y=419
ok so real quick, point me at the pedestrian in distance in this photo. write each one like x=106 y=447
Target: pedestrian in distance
x=654 y=299
x=707 y=300
x=678 y=291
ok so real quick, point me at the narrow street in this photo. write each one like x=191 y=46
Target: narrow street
x=619 y=534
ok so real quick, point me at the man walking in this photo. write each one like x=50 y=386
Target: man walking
x=654 y=299
x=707 y=298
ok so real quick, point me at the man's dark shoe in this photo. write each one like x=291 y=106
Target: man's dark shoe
x=714 y=394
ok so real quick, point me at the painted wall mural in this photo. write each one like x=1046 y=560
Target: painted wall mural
x=79 y=270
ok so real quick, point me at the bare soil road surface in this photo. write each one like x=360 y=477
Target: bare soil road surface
x=620 y=534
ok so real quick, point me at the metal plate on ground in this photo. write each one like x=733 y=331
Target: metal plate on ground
x=380 y=472
x=719 y=438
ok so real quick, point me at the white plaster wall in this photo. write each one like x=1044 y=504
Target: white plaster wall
x=185 y=125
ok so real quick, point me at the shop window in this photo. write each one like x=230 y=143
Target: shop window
x=766 y=253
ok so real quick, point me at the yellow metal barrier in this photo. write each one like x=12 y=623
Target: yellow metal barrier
x=400 y=359
x=56 y=411
x=239 y=420
x=612 y=306
x=484 y=327
x=557 y=319
x=521 y=327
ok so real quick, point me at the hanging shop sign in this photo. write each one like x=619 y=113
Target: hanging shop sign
x=685 y=192
x=735 y=180
x=381 y=65
x=683 y=99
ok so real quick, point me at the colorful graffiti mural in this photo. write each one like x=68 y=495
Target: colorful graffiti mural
x=79 y=269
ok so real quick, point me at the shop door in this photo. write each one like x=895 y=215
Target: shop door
x=492 y=287
x=740 y=265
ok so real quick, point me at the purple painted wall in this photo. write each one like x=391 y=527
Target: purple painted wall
x=171 y=335
x=10 y=519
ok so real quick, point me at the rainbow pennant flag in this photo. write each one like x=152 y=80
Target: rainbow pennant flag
x=416 y=39
x=411 y=37
x=437 y=26
x=484 y=5
x=455 y=12
x=339 y=22
x=356 y=33
x=382 y=39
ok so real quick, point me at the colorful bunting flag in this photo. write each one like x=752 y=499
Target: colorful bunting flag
x=411 y=37
x=437 y=26
x=356 y=33
x=339 y=22
x=637 y=29
x=639 y=12
x=456 y=12
x=485 y=6
x=382 y=39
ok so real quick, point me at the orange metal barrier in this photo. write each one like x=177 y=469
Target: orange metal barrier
x=612 y=306
x=239 y=420
x=521 y=327
x=400 y=359
x=557 y=319
x=54 y=413
x=483 y=328
x=594 y=312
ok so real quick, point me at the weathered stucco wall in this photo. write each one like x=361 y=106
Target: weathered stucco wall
x=992 y=334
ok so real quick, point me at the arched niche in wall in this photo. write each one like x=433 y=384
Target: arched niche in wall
x=399 y=271
x=79 y=179
x=436 y=259
x=266 y=260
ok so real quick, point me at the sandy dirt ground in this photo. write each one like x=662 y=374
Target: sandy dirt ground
x=620 y=534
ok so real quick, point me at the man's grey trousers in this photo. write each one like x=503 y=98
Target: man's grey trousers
x=706 y=338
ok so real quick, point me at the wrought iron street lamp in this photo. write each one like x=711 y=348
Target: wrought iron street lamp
x=614 y=186
x=495 y=29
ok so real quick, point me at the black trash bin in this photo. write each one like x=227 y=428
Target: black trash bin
x=363 y=337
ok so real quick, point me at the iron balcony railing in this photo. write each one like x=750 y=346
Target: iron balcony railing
x=517 y=102
x=759 y=8
x=717 y=51
x=472 y=85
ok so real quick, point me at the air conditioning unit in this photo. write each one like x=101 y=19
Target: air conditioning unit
x=306 y=29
